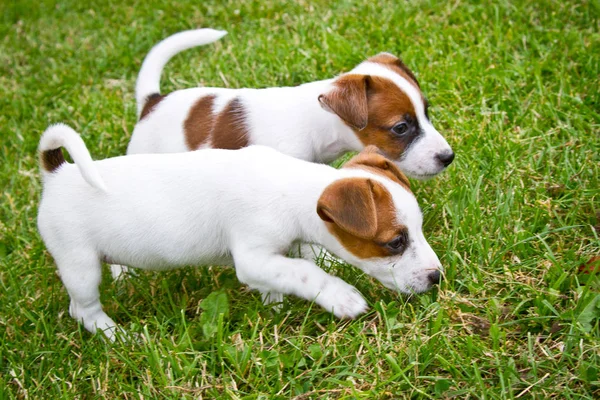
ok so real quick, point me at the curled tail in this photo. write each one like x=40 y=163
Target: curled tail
x=148 y=81
x=51 y=156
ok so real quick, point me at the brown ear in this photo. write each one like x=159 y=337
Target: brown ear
x=371 y=157
x=350 y=204
x=348 y=99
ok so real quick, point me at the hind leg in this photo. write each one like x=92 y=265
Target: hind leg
x=81 y=273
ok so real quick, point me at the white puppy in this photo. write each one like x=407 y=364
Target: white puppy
x=377 y=103
x=244 y=207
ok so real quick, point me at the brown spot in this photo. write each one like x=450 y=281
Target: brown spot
x=555 y=328
x=371 y=160
x=555 y=190
x=395 y=64
x=475 y=323
x=151 y=102
x=372 y=116
x=591 y=267
x=199 y=123
x=52 y=159
x=230 y=130
x=360 y=212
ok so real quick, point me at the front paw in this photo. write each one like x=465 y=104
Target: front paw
x=341 y=299
x=274 y=299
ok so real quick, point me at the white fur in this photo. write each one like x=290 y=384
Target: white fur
x=245 y=207
x=289 y=119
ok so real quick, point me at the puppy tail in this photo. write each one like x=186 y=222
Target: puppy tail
x=51 y=156
x=148 y=81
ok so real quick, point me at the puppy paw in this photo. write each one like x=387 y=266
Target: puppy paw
x=114 y=333
x=119 y=334
x=342 y=299
x=274 y=299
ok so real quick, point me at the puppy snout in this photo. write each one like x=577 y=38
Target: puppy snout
x=445 y=158
x=434 y=277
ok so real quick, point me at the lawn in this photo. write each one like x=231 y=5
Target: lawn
x=515 y=220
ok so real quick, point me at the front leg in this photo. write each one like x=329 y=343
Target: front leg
x=275 y=273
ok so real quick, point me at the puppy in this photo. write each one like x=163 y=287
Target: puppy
x=243 y=208
x=379 y=102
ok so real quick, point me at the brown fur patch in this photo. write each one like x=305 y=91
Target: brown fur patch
x=395 y=64
x=371 y=160
x=230 y=130
x=361 y=214
x=388 y=105
x=150 y=104
x=349 y=100
x=52 y=159
x=199 y=123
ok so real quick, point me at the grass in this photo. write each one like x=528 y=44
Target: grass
x=514 y=88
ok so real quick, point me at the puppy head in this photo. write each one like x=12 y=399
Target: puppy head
x=382 y=102
x=376 y=222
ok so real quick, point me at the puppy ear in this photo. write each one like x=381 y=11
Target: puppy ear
x=371 y=157
x=348 y=99
x=350 y=204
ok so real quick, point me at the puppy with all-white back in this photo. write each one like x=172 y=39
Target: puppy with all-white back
x=244 y=208
x=379 y=102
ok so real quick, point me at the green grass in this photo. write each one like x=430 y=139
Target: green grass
x=514 y=88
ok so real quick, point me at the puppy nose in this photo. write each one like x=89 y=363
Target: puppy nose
x=445 y=158
x=434 y=277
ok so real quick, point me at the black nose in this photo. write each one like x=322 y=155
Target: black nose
x=434 y=277
x=445 y=158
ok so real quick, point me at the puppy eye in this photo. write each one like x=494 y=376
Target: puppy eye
x=398 y=244
x=400 y=129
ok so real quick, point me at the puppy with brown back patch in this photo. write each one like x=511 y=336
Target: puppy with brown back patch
x=379 y=102
x=244 y=208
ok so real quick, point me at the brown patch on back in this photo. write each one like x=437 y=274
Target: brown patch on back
x=226 y=130
x=371 y=160
x=151 y=102
x=395 y=64
x=52 y=159
x=230 y=130
x=199 y=123
x=361 y=213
